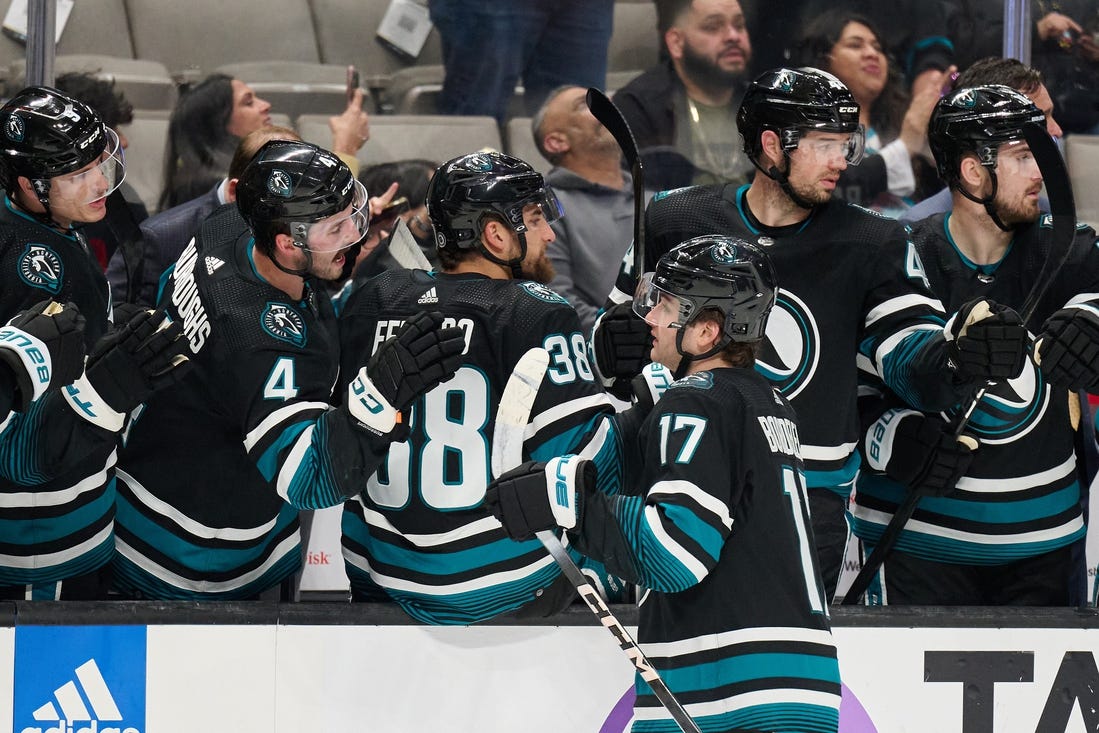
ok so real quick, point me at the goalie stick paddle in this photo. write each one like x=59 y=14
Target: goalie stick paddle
x=1063 y=208
x=512 y=417
x=603 y=109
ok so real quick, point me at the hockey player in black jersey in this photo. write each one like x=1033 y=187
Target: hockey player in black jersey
x=852 y=284
x=1001 y=533
x=214 y=471
x=59 y=163
x=418 y=530
x=715 y=526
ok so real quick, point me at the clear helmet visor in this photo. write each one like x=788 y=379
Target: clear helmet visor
x=658 y=307
x=824 y=147
x=547 y=204
x=95 y=181
x=1015 y=159
x=339 y=231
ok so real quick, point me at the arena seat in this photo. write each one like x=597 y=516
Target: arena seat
x=193 y=38
x=297 y=88
x=146 y=84
x=400 y=137
x=346 y=35
x=148 y=136
x=1082 y=157
x=94 y=27
x=635 y=43
x=519 y=141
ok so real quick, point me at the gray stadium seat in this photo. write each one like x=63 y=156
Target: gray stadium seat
x=145 y=84
x=94 y=27
x=1082 y=157
x=148 y=136
x=520 y=143
x=205 y=34
x=297 y=88
x=400 y=137
x=634 y=42
x=345 y=34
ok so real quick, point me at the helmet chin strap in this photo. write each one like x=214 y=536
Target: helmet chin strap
x=685 y=359
x=987 y=202
x=783 y=180
x=514 y=265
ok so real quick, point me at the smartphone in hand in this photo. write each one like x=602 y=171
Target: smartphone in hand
x=352 y=81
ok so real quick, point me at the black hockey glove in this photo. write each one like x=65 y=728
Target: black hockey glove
x=44 y=348
x=1068 y=349
x=919 y=451
x=622 y=343
x=419 y=356
x=987 y=341
x=128 y=365
x=538 y=496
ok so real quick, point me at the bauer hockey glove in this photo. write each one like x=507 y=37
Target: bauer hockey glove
x=1067 y=350
x=987 y=341
x=127 y=366
x=621 y=343
x=44 y=348
x=918 y=451
x=538 y=496
x=418 y=357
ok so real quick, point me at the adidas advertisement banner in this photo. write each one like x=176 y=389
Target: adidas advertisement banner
x=79 y=679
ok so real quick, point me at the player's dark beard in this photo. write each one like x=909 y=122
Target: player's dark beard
x=811 y=194
x=706 y=73
x=1019 y=212
x=540 y=271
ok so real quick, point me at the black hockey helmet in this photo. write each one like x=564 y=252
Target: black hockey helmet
x=978 y=120
x=793 y=101
x=466 y=189
x=48 y=133
x=295 y=184
x=728 y=274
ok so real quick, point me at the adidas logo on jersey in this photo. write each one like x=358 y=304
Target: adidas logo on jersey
x=429 y=297
x=74 y=716
x=212 y=263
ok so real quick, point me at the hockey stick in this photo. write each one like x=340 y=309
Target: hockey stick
x=512 y=417
x=1063 y=208
x=405 y=250
x=610 y=117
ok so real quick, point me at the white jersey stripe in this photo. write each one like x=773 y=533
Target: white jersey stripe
x=1046 y=535
x=26 y=499
x=886 y=347
x=710 y=642
x=1021 y=483
x=485 y=581
x=37 y=561
x=288 y=545
x=471 y=529
x=707 y=501
x=563 y=410
x=689 y=561
x=775 y=696
x=900 y=303
x=256 y=434
x=189 y=525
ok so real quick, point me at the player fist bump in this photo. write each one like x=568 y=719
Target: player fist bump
x=539 y=496
x=1067 y=350
x=987 y=341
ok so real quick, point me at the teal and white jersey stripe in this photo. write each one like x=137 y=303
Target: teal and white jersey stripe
x=59 y=529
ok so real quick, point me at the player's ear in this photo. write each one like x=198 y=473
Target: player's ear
x=771 y=145
x=972 y=174
x=495 y=237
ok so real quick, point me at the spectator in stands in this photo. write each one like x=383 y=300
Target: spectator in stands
x=118 y=230
x=211 y=118
x=489 y=46
x=898 y=167
x=993 y=70
x=408 y=201
x=164 y=235
x=683 y=111
x=594 y=192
